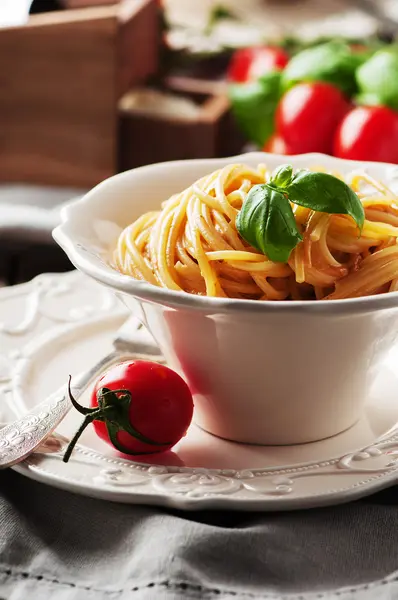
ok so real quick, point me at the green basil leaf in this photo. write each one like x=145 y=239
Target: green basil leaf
x=333 y=62
x=377 y=78
x=266 y=222
x=282 y=176
x=325 y=193
x=254 y=105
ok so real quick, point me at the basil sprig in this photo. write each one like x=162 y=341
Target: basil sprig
x=266 y=220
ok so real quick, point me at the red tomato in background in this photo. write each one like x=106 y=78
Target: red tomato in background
x=248 y=64
x=308 y=116
x=161 y=404
x=368 y=133
x=276 y=145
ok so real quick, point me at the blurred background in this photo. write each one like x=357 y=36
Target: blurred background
x=89 y=88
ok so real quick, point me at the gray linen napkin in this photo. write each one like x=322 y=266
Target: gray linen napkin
x=29 y=213
x=54 y=544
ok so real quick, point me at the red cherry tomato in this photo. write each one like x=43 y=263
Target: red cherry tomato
x=161 y=404
x=308 y=115
x=248 y=64
x=276 y=145
x=368 y=133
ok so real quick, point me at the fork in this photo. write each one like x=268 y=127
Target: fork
x=22 y=437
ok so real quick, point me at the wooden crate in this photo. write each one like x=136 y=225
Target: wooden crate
x=61 y=77
x=148 y=138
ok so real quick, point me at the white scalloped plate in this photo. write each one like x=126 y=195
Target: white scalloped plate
x=61 y=324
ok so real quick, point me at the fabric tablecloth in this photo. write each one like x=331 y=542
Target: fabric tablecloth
x=55 y=544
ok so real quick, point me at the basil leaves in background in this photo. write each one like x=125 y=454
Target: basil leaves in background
x=254 y=105
x=266 y=220
x=333 y=62
x=377 y=79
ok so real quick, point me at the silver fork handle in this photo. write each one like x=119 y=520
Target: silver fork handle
x=22 y=437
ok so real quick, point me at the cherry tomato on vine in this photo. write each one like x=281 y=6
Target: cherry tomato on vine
x=139 y=407
x=308 y=116
x=368 y=133
x=248 y=64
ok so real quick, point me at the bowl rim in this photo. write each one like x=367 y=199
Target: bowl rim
x=143 y=290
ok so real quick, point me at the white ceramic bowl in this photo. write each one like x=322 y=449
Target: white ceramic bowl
x=261 y=372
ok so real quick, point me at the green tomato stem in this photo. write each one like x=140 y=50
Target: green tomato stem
x=114 y=410
x=83 y=410
x=88 y=419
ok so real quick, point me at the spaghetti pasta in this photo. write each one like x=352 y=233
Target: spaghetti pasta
x=192 y=244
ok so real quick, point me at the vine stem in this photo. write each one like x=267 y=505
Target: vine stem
x=87 y=420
